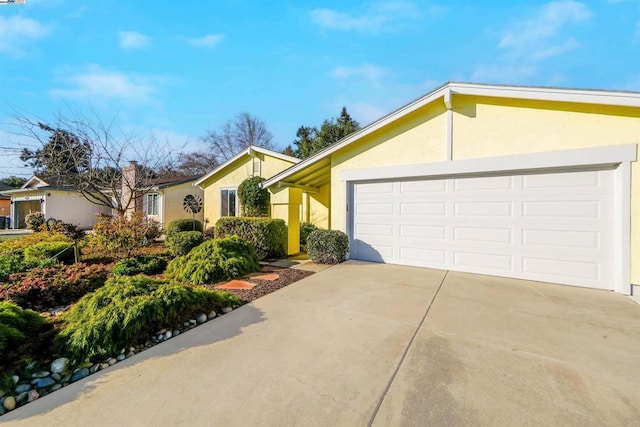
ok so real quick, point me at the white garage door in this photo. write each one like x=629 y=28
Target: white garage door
x=552 y=227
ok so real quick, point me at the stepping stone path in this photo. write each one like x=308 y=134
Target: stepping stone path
x=236 y=284
x=267 y=276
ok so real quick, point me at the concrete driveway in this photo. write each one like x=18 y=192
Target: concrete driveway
x=370 y=344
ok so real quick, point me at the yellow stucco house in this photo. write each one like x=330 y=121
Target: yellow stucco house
x=525 y=182
x=220 y=186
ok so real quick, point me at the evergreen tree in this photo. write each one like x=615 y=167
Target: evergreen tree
x=310 y=140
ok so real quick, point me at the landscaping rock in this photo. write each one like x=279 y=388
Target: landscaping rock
x=93 y=369
x=192 y=322
x=160 y=338
x=56 y=377
x=176 y=333
x=45 y=382
x=79 y=374
x=15 y=379
x=23 y=388
x=161 y=332
x=201 y=318
x=59 y=365
x=21 y=399
x=103 y=366
x=120 y=357
x=111 y=361
x=168 y=335
x=56 y=387
x=130 y=354
x=226 y=310
x=186 y=324
x=9 y=403
x=2 y=410
x=32 y=395
x=41 y=374
x=212 y=315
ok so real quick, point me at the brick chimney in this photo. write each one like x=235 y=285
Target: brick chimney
x=130 y=182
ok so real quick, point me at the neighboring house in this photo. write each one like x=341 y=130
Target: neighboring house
x=162 y=199
x=5 y=203
x=524 y=182
x=55 y=200
x=221 y=185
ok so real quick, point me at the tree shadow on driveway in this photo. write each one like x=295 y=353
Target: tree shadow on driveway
x=214 y=331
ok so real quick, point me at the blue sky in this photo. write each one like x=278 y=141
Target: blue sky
x=178 y=68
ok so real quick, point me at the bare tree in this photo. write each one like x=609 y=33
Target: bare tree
x=236 y=135
x=196 y=163
x=90 y=156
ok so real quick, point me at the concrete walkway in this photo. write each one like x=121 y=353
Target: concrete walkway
x=360 y=344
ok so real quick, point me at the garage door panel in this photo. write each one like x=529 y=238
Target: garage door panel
x=422 y=232
x=479 y=208
x=489 y=262
x=568 y=269
x=575 y=181
x=492 y=183
x=428 y=186
x=421 y=255
x=552 y=227
x=373 y=230
x=483 y=235
x=423 y=208
x=561 y=238
x=566 y=209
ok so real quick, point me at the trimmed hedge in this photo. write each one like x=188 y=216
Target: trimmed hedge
x=215 y=260
x=327 y=246
x=62 y=251
x=183 y=224
x=141 y=264
x=269 y=236
x=181 y=243
x=24 y=335
x=254 y=201
x=127 y=310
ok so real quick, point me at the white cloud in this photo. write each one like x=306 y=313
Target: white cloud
x=95 y=83
x=16 y=32
x=133 y=40
x=369 y=72
x=542 y=36
x=209 y=40
x=379 y=17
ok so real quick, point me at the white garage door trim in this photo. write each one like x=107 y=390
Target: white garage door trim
x=616 y=157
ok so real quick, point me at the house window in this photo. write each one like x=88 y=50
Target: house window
x=256 y=166
x=152 y=204
x=228 y=202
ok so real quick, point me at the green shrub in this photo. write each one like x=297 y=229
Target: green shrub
x=269 y=236
x=254 y=201
x=209 y=232
x=62 y=251
x=127 y=310
x=43 y=288
x=24 y=335
x=305 y=229
x=34 y=221
x=327 y=246
x=215 y=260
x=11 y=263
x=141 y=264
x=183 y=224
x=181 y=243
